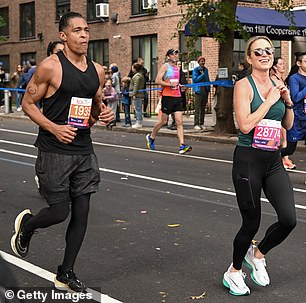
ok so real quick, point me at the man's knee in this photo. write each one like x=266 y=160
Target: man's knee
x=60 y=212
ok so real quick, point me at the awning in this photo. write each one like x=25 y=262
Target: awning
x=267 y=22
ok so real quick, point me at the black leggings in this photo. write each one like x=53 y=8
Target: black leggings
x=254 y=170
x=57 y=213
x=289 y=150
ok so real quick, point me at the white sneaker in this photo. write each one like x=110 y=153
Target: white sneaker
x=137 y=125
x=19 y=109
x=197 y=127
x=234 y=280
x=259 y=274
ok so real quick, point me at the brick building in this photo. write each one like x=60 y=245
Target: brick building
x=120 y=31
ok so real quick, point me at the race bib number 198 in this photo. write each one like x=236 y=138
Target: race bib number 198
x=267 y=135
x=79 y=112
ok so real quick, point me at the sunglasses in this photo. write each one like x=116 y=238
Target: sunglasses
x=176 y=52
x=260 y=51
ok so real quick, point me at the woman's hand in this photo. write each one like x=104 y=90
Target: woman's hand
x=273 y=95
x=285 y=94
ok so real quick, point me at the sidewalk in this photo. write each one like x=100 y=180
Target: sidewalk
x=148 y=123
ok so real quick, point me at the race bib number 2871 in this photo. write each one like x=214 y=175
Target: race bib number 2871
x=267 y=135
x=79 y=112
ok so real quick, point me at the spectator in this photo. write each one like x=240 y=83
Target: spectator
x=146 y=77
x=297 y=86
x=136 y=85
x=199 y=75
x=16 y=79
x=243 y=70
x=126 y=101
x=55 y=47
x=276 y=74
x=110 y=98
x=116 y=85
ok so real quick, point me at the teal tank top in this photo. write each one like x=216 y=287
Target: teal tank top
x=276 y=112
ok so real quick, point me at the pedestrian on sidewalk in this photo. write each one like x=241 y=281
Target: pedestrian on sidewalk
x=126 y=101
x=70 y=86
x=169 y=78
x=261 y=107
x=297 y=86
x=200 y=75
x=137 y=93
x=276 y=74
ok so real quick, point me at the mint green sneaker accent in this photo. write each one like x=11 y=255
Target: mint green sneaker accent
x=258 y=266
x=234 y=281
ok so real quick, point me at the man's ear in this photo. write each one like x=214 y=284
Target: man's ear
x=63 y=36
x=298 y=63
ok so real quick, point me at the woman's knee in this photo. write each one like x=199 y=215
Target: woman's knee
x=288 y=222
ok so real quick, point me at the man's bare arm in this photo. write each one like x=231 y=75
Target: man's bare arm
x=36 y=90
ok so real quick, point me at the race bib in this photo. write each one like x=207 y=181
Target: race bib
x=79 y=112
x=267 y=135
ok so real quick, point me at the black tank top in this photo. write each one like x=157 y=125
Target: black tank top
x=75 y=83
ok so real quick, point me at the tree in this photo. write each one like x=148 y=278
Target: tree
x=218 y=20
x=2 y=23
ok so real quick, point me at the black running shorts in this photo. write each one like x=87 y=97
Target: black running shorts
x=171 y=105
x=63 y=176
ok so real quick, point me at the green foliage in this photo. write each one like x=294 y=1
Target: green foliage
x=2 y=23
x=210 y=18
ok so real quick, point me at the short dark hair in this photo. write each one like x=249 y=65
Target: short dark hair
x=137 y=67
x=300 y=56
x=64 y=21
x=32 y=62
x=52 y=45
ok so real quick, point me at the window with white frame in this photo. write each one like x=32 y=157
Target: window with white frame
x=140 y=7
x=92 y=9
x=98 y=51
x=146 y=48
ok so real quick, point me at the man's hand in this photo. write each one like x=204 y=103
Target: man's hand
x=106 y=114
x=64 y=133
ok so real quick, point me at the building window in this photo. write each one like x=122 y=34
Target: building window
x=239 y=47
x=62 y=7
x=183 y=47
x=146 y=48
x=26 y=57
x=98 y=51
x=27 y=21
x=140 y=7
x=92 y=10
x=5 y=61
x=4 y=22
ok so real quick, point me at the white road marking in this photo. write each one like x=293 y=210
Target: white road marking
x=49 y=276
x=215 y=190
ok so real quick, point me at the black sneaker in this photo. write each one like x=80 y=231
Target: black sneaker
x=20 y=241
x=68 y=281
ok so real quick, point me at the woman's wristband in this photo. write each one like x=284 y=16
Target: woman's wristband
x=289 y=106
